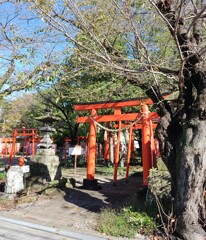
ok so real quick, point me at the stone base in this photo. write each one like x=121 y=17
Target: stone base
x=91 y=184
x=45 y=164
x=36 y=184
x=14 y=180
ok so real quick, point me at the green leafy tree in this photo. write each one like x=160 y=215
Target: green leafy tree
x=21 y=113
x=85 y=86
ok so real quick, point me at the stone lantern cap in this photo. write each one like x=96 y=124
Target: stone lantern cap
x=47 y=119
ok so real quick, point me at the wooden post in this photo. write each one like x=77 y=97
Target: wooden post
x=116 y=160
x=106 y=150
x=152 y=145
x=12 y=148
x=33 y=139
x=91 y=148
x=129 y=152
x=146 y=150
x=75 y=166
x=132 y=145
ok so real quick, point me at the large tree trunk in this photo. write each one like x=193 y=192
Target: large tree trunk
x=182 y=129
x=188 y=182
x=183 y=145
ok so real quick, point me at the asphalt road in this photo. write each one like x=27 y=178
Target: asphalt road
x=9 y=230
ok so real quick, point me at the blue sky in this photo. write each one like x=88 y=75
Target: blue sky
x=35 y=45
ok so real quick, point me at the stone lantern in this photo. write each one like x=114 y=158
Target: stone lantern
x=45 y=163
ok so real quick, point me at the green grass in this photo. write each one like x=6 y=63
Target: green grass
x=113 y=224
x=109 y=170
x=104 y=170
x=125 y=223
x=2 y=175
x=138 y=216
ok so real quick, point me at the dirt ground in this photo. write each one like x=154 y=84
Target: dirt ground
x=73 y=208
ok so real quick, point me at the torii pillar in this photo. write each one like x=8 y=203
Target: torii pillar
x=146 y=144
x=90 y=182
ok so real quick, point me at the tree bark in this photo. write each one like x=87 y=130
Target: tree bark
x=182 y=143
x=182 y=129
x=190 y=169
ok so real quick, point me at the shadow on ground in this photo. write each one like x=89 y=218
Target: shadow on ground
x=108 y=195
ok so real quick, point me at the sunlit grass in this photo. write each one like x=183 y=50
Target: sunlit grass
x=125 y=223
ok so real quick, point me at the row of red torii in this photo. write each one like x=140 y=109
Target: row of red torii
x=145 y=120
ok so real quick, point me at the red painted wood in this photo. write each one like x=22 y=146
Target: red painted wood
x=115 y=104
x=146 y=148
x=120 y=117
x=91 y=149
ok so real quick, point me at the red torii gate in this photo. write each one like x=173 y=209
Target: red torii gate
x=146 y=116
x=5 y=141
x=23 y=132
